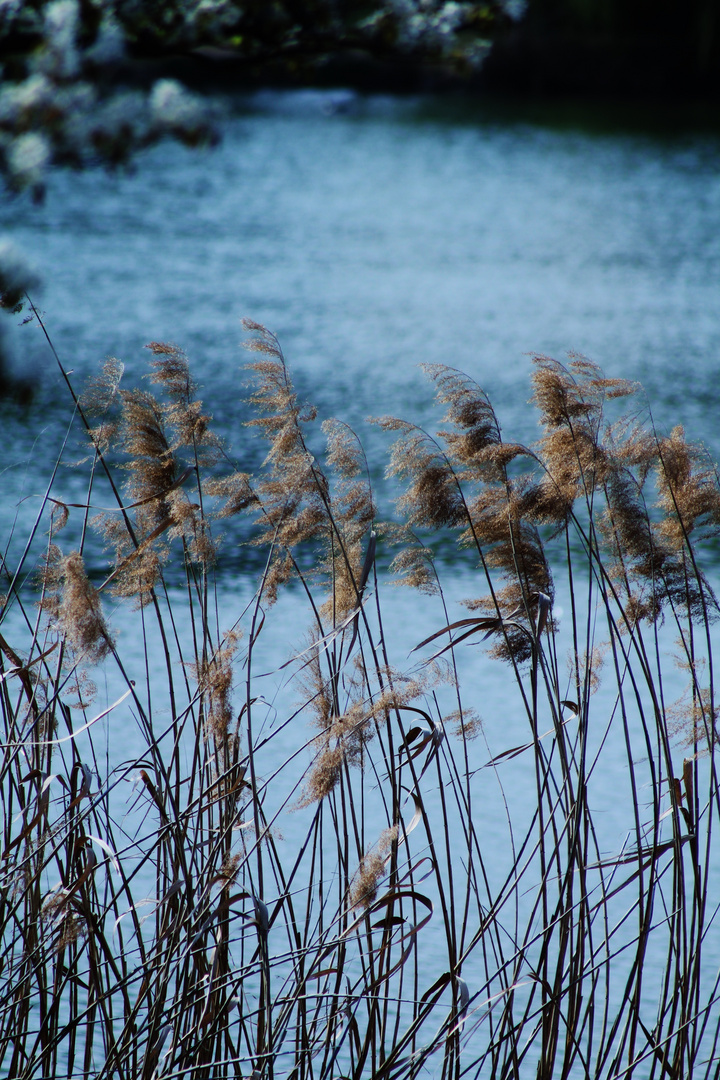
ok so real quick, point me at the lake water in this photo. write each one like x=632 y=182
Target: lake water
x=372 y=235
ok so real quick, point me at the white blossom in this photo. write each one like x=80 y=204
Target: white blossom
x=109 y=45
x=27 y=160
x=22 y=104
x=173 y=108
x=17 y=275
x=60 y=57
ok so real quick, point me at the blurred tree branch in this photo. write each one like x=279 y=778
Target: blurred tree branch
x=66 y=100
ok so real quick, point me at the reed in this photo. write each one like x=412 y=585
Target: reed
x=155 y=920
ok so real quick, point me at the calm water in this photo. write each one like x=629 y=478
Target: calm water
x=374 y=235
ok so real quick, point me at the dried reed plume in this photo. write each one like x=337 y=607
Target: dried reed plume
x=414 y=563
x=572 y=452
x=214 y=676
x=79 y=613
x=352 y=511
x=159 y=437
x=344 y=738
x=371 y=870
x=492 y=516
x=293 y=492
x=299 y=503
x=688 y=489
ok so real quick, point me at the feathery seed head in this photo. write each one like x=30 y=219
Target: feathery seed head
x=101 y=393
x=234 y=490
x=171 y=370
x=324 y=776
x=557 y=394
x=471 y=414
x=688 y=489
x=414 y=563
x=80 y=616
x=215 y=678
x=467 y=723
x=371 y=870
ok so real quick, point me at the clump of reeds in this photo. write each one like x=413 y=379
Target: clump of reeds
x=154 y=920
